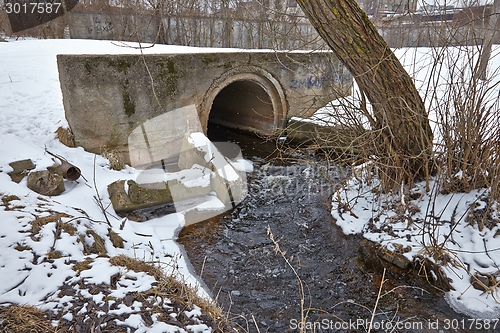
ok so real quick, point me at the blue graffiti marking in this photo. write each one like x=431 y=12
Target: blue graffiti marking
x=316 y=82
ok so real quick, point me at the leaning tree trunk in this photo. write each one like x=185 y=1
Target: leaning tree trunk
x=399 y=113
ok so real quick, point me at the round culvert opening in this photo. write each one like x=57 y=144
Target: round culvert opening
x=242 y=105
x=246 y=99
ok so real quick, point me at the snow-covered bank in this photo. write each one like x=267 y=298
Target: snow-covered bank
x=36 y=262
x=458 y=231
x=415 y=222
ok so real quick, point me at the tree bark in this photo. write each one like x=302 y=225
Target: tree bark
x=399 y=113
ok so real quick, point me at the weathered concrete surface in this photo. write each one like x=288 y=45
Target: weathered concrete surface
x=21 y=169
x=139 y=196
x=46 y=182
x=205 y=170
x=107 y=97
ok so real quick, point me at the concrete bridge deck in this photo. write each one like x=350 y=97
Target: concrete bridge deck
x=110 y=98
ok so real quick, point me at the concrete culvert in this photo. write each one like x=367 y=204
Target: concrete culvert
x=242 y=105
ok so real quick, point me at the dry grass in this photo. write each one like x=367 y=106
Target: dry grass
x=115 y=239
x=22 y=247
x=6 y=199
x=70 y=229
x=115 y=159
x=82 y=266
x=98 y=247
x=136 y=265
x=66 y=137
x=54 y=254
x=22 y=319
x=39 y=222
x=170 y=287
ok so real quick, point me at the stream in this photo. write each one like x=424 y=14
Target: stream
x=319 y=268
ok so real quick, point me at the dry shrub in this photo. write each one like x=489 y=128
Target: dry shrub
x=354 y=137
x=468 y=122
x=66 y=137
x=23 y=318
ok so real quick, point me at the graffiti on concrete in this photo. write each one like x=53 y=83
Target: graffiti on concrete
x=317 y=82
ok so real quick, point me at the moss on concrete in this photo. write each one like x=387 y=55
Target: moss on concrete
x=148 y=194
x=128 y=103
x=169 y=74
x=121 y=63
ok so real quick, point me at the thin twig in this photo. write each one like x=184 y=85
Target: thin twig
x=97 y=198
x=376 y=302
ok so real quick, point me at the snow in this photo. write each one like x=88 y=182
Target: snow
x=212 y=154
x=467 y=246
x=31 y=109
x=242 y=165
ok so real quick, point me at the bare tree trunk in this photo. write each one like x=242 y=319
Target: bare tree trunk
x=399 y=113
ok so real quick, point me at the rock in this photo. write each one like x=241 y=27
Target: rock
x=396 y=259
x=482 y=282
x=21 y=169
x=180 y=191
x=479 y=282
x=373 y=252
x=46 y=183
x=205 y=170
x=138 y=196
x=114 y=279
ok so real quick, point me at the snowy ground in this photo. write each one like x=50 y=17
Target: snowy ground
x=31 y=110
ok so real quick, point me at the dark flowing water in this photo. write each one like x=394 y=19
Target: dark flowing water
x=236 y=258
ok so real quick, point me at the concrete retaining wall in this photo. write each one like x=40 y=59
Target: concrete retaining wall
x=107 y=97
